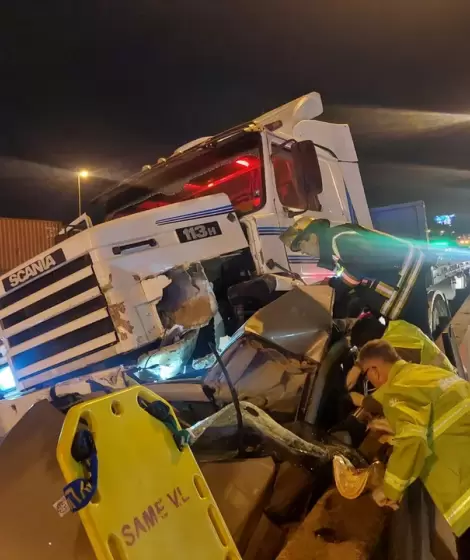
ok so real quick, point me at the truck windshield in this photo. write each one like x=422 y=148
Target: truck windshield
x=233 y=167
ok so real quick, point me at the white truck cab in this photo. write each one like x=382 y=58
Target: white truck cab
x=178 y=236
x=269 y=181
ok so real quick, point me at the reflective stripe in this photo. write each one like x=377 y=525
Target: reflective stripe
x=450 y=417
x=384 y=289
x=409 y=284
x=388 y=303
x=412 y=430
x=407 y=262
x=338 y=270
x=450 y=381
x=334 y=244
x=460 y=508
x=385 y=309
x=440 y=360
x=349 y=279
x=396 y=483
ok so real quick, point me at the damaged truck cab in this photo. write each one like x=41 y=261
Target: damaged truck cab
x=194 y=233
x=283 y=165
x=103 y=294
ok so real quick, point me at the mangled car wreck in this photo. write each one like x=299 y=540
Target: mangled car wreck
x=267 y=455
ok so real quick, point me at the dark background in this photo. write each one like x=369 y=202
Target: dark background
x=111 y=85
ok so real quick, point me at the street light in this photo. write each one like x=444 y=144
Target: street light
x=82 y=174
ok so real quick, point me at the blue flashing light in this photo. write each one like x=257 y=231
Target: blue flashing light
x=444 y=219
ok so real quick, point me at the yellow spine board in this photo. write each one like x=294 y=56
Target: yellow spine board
x=152 y=500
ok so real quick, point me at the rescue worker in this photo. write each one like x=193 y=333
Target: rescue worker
x=410 y=343
x=386 y=272
x=428 y=409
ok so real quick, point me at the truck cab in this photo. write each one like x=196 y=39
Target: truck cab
x=274 y=170
x=182 y=241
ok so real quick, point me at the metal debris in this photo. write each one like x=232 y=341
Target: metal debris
x=169 y=359
x=122 y=326
x=189 y=300
x=261 y=375
x=257 y=419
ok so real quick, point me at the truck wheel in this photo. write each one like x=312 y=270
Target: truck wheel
x=439 y=313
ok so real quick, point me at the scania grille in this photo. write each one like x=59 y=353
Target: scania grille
x=56 y=319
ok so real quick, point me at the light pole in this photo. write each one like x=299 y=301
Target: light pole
x=82 y=174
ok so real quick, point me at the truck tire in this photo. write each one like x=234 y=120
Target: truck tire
x=439 y=313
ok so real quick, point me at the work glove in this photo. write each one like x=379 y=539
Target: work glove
x=380 y=425
x=381 y=499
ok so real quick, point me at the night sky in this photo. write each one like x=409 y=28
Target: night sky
x=112 y=85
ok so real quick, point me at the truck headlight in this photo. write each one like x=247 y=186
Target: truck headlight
x=7 y=380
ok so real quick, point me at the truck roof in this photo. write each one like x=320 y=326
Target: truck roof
x=307 y=107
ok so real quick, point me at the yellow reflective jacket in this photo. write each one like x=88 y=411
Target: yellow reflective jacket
x=428 y=409
x=401 y=334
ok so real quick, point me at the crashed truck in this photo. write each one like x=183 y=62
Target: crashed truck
x=190 y=251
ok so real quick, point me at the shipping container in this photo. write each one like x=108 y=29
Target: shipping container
x=20 y=240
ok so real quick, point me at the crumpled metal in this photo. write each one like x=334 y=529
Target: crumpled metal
x=261 y=375
x=258 y=420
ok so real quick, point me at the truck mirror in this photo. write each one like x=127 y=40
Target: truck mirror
x=307 y=167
